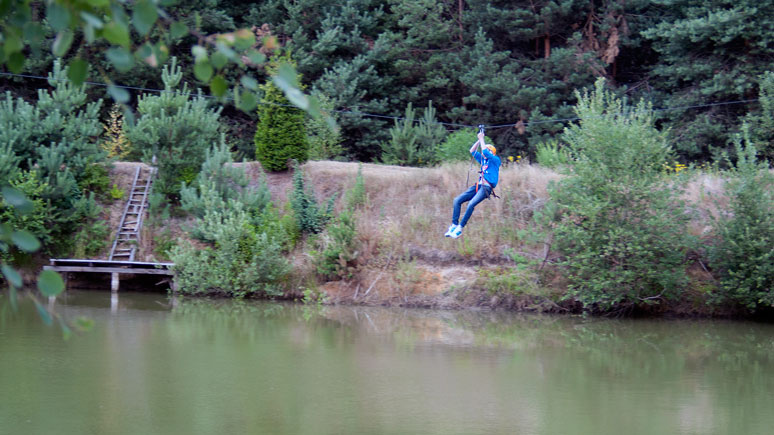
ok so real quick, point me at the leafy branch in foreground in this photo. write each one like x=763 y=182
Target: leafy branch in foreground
x=49 y=282
x=128 y=33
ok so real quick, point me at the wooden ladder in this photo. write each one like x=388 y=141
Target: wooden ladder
x=128 y=236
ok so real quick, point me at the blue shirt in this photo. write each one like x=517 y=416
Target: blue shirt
x=490 y=166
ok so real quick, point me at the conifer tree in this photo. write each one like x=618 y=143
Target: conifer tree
x=709 y=52
x=177 y=129
x=279 y=135
x=414 y=143
x=57 y=136
x=761 y=121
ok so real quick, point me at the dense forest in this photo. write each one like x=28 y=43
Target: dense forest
x=513 y=64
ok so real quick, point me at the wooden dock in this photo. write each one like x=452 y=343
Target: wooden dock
x=114 y=268
x=126 y=243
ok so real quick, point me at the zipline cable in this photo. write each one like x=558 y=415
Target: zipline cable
x=398 y=118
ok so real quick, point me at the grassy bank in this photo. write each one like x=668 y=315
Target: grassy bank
x=503 y=260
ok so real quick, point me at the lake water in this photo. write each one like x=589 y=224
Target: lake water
x=154 y=365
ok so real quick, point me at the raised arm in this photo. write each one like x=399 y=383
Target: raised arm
x=475 y=144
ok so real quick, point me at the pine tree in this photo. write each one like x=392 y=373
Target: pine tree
x=709 y=52
x=57 y=136
x=175 y=128
x=279 y=135
x=761 y=121
x=414 y=143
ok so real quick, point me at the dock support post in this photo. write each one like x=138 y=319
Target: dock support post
x=114 y=282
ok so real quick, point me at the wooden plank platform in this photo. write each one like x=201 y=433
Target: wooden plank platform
x=115 y=268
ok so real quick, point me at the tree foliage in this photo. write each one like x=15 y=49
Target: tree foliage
x=743 y=253
x=617 y=220
x=176 y=130
x=280 y=136
x=51 y=153
x=414 y=143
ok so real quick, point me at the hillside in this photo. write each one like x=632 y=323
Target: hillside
x=403 y=258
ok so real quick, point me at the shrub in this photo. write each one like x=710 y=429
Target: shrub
x=95 y=179
x=743 y=256
x=91 y=239
x=219 y=178
x=456 y=146
x=310 y=217
x=414 y=145
x=280 y=135
x=324 y=140
x=356 y=196
x=241 y=262
x=339 y=254
x=38 y=218
x=551 y=154
x=622 y=233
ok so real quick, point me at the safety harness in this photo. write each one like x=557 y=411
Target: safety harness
x=481 y=171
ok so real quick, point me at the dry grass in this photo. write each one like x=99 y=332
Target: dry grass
x=409 y=209
x=403 y=253
x=704 y=195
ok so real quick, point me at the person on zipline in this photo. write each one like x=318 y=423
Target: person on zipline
x=487 y=181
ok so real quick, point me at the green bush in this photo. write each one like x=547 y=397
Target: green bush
x=456 y=146
x=241 y=262
x=744 y=254
x=116 y=193
x=551 y=154
x=95 y=179
x=338 y=256
x=91 y=239
x=324 y=140
x=356 y=196
x=310 y=216
x=280 y=136
x=615 y=219
x=414 y=145
x=37 y=220
x=220 y=179
x=338 y=253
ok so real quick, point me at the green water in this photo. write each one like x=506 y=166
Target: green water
x=152 y=365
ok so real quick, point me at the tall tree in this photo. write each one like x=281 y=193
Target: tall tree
x=709 y=52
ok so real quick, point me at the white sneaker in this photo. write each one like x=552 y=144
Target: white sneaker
x=456 y=233
x=450 y=230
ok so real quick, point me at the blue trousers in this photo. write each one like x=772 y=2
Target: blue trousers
x=474 y=198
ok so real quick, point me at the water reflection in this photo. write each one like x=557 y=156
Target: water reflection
x=156 y=364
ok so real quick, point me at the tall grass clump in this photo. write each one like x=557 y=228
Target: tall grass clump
x=615 y=219
x=743 y=255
